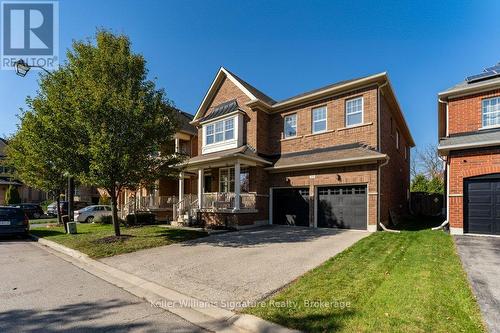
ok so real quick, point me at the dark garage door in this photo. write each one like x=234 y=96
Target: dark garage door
x=291 y=206
x=342 y=207
x=482 y=205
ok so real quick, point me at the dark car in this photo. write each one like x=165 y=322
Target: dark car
x=52 y=208
x=13 y=221
x=33 y=211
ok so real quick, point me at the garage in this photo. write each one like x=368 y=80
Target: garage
x=342 y=207
x=291 y=206
x=482 y=205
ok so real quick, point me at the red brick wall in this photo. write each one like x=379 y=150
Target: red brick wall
x=361 y=174
x=336 y=133
x=464 y=113
x=465 y=164
x=395 y=175
x=229 y=91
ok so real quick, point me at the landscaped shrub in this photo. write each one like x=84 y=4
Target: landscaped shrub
x=141 y=219
x=104 y=219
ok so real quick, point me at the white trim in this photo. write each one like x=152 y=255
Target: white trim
x=217 y=79
x=317 y=121
x=489 y=127
x=462 y=91
x=284 y=126
x=362 y=111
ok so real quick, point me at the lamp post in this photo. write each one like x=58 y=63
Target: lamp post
x=22 y=68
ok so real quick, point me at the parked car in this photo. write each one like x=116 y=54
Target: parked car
x=33 y=211
x=88 y=214
x=52 y=208
x=13 y=221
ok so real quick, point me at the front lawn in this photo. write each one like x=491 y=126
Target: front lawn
x=408 y=282
x=97 y=240
x=44 y=221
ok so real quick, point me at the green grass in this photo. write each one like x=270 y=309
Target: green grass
x=408 y=282
x=43 y=221
x=89 y=239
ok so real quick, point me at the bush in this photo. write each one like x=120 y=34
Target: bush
x=12 y=196
x=108 y=219
x=104 y=200
x=141 y=219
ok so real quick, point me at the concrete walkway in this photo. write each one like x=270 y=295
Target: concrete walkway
x=232 y=269
x=481 y=259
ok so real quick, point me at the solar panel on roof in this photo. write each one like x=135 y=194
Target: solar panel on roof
x=488 y=73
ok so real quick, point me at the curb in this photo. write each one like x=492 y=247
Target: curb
x=208 y=316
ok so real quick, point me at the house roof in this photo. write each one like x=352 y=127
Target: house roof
x=483 y=138
x=355 y=153
x=256 y=92
x=244 y=151
x=185 y=123
x=221 y=109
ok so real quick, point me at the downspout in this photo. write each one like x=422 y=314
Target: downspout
x=379 y=149
x=379 y=222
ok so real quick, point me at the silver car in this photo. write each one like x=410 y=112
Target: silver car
x=89 y=213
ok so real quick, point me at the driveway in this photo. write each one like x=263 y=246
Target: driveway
x=233 y=268
x=481 y=260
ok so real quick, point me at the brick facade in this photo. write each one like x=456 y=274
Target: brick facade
x=263 y=130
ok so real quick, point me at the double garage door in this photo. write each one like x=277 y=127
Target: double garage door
x=482 y=205
x=336 y=206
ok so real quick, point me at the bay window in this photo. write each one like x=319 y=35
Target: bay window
x=222 y=130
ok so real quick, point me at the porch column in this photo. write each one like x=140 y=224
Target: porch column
x=181 y=187
x=201 y=187
x=177 y=145
x=237 y=185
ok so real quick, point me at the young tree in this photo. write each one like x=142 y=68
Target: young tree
x=419 y=183
x=12 y=195
x=124 y=119
x=30 y=153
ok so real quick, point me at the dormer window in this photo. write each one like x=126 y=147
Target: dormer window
x=220 y=131
x=491 y=112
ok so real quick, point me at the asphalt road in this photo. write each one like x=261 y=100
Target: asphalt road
x=43 y=293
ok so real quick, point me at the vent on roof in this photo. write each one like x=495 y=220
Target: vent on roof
x=488 y=73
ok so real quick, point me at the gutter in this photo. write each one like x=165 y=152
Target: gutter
x=468 y=145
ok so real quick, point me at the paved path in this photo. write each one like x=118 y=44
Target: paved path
x=232 y=268
x=42 y=293
x=481 y=260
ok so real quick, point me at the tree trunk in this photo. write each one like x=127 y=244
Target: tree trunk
x=116 y=222
x=58 y=207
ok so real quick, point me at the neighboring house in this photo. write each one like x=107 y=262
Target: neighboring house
x=469 y=140
x=337 y=156
x=27 y=194
x=88 y=194
x=161 y=197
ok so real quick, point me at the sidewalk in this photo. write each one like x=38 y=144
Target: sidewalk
x=197 y=312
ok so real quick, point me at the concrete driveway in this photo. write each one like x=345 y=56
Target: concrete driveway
x=481 y=260
x=231 y=268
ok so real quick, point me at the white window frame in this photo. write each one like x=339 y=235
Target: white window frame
x=353 y=113
x=485 y=111
x=324 y=107
x=230 y=181
x=223 y=129
x=290 y=116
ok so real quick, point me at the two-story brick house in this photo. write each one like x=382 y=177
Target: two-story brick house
x=469 y=141
x=337 y=156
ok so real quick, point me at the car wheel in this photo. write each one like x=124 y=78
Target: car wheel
x=89 y=219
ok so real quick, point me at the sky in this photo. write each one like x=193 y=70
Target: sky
x=288 y=47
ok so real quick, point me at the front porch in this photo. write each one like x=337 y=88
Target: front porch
x=231 y=191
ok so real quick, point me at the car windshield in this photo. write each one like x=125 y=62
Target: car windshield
x=87 y=208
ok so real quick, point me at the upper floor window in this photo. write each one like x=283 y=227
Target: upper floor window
x=491 y=112
x=290 y=127
x=319 y=119
x=354 y=111
x=220 y=131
